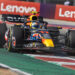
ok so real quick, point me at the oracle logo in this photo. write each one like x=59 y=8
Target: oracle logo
x=15 y=8
x=67 y=14
x=15 y=19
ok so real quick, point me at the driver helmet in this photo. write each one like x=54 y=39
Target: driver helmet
x=34 y=15
x=34 y=25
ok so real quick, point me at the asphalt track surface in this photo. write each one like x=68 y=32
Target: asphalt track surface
x=40 y=63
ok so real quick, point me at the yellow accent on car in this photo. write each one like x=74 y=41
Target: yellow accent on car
x=33 y=43
x=34 y=12
x=31 y=17
x=59 y=27
x=30 y=24
x=48 y=42
x=9 y=46
x=18 y=24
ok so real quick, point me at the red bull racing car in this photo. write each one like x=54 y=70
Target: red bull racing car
x=25 y=37
x=34 y=35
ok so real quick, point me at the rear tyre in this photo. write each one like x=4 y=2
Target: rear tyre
x=3 y=29
x=70 y=39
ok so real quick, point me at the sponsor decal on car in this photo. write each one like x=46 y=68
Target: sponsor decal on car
x=13 y=18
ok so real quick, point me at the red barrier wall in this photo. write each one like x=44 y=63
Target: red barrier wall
x=18 y=7
x=50 y=11
x=65 y=12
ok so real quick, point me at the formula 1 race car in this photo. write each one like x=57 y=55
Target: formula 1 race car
x=40 y=38
x=24 y=37
x=36 y=36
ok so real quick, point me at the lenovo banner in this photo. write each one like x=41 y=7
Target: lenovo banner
x=18 y=7
x=65 y=12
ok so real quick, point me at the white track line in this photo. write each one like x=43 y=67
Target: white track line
x=59 y=63
x=14 y=69
x=32 y=55
x=62 y=63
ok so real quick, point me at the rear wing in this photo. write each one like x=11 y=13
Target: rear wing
x=13 y=18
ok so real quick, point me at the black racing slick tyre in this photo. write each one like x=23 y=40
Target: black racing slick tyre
x=70 y=39
x=3 y=29
x=16 y=32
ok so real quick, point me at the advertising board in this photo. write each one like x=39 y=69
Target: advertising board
x=65 y=12
x=18 y=7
